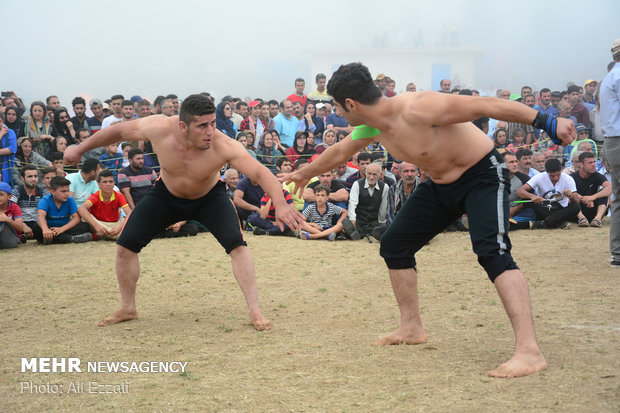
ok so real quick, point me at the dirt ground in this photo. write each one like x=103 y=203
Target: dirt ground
x=328 y=302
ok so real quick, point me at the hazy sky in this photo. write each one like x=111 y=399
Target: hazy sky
x=257 y=48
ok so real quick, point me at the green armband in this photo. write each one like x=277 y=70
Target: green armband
x=364 y=132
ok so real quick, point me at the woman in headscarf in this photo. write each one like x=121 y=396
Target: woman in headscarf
x=266 y=153
x=13 y=120
x=223 y=121
x=310 y=109
x=329 y=138
x=242 y=138
x=26 y=156
x=300 y=147
x=38 y=128
x=500 y=139
x=63 y=126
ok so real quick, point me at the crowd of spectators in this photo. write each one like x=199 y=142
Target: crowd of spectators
x=41 y=198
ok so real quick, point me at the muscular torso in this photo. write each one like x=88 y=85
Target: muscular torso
x=188 y=172
x=444 y=152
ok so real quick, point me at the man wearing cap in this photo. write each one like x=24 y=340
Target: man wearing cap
x=381 y=82
x=578 y=110
x=589 y=88
x=610 y=126
x=320 y=93
x=11 y=221
x=94 y=122
x=251 y=121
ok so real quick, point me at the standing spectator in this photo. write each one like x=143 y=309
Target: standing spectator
x=38 y=128
x=299 y=96
x=240 y=111
x=578 y=110
x=320 y=93
x=610 y=126
x=79 y=121
x=175 y=102
x=167 y=109
x=12 y=119
x=544 y=103
x=285 y=123
x=116 y=105
x=588 y=94
x=11 y=222
x=136 y=180
x=8 y=149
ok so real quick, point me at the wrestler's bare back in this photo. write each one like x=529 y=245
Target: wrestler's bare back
x=188 y=171
x=443 y=152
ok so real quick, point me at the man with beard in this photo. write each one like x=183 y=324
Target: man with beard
x=116 y=105
x=79 y=107
x=136 y=180
x=27 y=197
x=400 y=191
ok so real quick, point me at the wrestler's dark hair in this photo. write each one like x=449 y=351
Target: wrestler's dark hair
x=522 y=152
x=133 y=152
x=117 y=97
x=553 y=165
x=77 y=100
x=106 y=173
x=321 y=187
x=353 y=81
x=584 y=155
x=195 y=105
x=58 y=181
x=281 y=160
x=363 y=156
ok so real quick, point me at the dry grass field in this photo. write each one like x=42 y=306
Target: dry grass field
x=328 y=302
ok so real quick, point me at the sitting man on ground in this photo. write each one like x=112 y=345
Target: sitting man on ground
x=83 y=183
x=265 y=221
x=363 y=160
x=136 y=180
x=100 y=210
x=520 y=217
x=593 y=201
x=11 y=222
x=57 y=219
x=337 y=194
x=27 y=197
x=558 y=193
x=231 y=178
x=247 y=198
x=524 y=161
x=320 y=215
x=367 y=205
x=400 y=191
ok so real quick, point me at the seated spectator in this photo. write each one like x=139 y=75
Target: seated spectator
x=400 y=192
x=180 y=229
x=593 y=201
x=284 y=166
x=243 y=140
x=224 y=122
x=62 y=126
x=500 y=139
x=276 y=142
x=305 y=121
x=125 y=148
x=26 y=156
x=38 y=129
x=363 y=160
x=343 y=172
x=12 y=120
x=57 y=217
x=82 y=135
x=58 y=146
x=517 y=140
x=329 y=139
x=58 y=163
x=557 y=191
x=583 y=137
x=94 y=123
x=136 y=180
x=337 y=194
x=337 y=122
x=264 y=222
x=101 y=209
x=266 y=153
x=27 y=197
x=520 y=216
x=317 y=121
x=112 y=160
x=48 y=173
x=83 y=183
x=573 y=164
x=11 y=220
x=300 y=147
x=319 y=216
x=231 y=178
x=538 y=161
x=8 y=148
x=247 y=198
x=367 y=205
x=524 y=162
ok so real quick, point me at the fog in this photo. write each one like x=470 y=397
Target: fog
x=257 y=48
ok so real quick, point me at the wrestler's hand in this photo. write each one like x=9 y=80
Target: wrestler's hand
x=566 y=131
x=299 y=180
x=289 y=217
x=72 y=155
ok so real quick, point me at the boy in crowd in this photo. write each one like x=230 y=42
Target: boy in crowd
x=265 y=221
x=57 y=217
x=112 y=159
x=48 y=174
x=319 y=217
x=100 y=210
x=11 y=221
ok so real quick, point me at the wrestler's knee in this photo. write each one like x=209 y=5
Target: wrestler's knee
x=396 y=255
x=495 y=265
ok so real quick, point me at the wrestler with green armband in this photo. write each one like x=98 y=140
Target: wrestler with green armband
x=434 y=131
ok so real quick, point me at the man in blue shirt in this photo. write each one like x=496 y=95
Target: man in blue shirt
x=8 y=148
x=57 y=217
x=610 y=126
x=285 y=123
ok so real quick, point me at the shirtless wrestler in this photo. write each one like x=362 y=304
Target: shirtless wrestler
x=432 y=130
x=191 y=152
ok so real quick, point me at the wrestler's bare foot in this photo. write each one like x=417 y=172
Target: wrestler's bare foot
x=259 y=321
x=118 y=317
x=521 y=364
x=402 y=335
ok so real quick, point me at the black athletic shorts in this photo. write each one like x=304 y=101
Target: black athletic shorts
x=481 y=192
x=160 y=209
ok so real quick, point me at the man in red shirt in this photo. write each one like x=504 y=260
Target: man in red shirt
x=11 y=221
x=264 y=222
x=299 y=95
x=100 y=210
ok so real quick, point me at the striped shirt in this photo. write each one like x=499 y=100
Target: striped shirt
x=139 y=183
x=325 y=220
x=271 y=215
